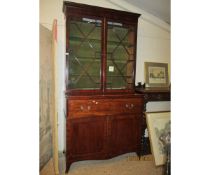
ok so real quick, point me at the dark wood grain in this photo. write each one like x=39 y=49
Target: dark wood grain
x=125 y=134
x=100 y=107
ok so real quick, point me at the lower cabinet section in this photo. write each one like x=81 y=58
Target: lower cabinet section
x=105 y=134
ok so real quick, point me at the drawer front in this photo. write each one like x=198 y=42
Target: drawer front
x=100 y=107
x=126 y=106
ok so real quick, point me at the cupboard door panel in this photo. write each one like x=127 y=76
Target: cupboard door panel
x=125 y=133
x=86 y=136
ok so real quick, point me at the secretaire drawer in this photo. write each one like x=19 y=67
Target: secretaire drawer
x=104 y=106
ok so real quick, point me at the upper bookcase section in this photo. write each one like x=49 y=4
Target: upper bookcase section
x=101 y=49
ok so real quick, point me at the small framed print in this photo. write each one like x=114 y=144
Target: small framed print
x=156 y=74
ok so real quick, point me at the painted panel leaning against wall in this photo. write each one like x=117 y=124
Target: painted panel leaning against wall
x=45 y=85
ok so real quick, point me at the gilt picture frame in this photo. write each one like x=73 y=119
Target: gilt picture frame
x=158 y=124
x=156 y=74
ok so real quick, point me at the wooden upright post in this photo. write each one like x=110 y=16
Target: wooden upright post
x=55 y=97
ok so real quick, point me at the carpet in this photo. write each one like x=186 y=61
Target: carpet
x=128 y=164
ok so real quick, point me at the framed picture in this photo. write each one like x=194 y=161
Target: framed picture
x=158 y=124
x=156 y=74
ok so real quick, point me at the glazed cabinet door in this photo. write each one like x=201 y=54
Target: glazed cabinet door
x=125 y=134
x=86 y=137
x=84 y=48
x=120 y=58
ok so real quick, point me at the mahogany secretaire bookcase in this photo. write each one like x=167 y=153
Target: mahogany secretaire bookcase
x=104 y=114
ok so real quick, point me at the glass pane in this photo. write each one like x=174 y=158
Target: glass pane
x=84 y=54
x=120 y=56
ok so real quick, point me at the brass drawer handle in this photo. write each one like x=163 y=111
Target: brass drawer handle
x=95 y=102
x=129 y=106
x=82 y=108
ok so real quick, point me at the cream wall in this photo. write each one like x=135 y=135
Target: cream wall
x=153 y=44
